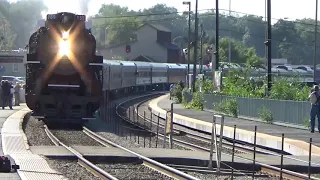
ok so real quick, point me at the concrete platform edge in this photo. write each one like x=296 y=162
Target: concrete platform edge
x=295 y=147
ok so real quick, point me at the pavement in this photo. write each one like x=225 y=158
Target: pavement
x=4 y=114
x=296 y=140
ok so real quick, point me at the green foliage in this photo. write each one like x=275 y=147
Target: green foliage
x=206 y=86
x=284 y=90
x=184 y=100
x=123 y=30
x=197 y=102
x=177 y=93
x=266 y=115
x=306 y=123
x=228 y=106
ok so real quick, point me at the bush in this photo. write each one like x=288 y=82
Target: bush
x=306 y=123
x=229 y=106
x=197 y=101
x=266 y=115
x=184 y=99
x=177 y=93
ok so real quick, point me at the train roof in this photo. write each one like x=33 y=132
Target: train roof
x=127 y=63
x=159 y=65
x=144 y=64
x=111 y=62
x=176 y=66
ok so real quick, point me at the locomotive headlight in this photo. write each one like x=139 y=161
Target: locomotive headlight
x=65 y=35
x=64 y=47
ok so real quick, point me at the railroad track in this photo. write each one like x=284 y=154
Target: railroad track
x=81 y=160
x=242 y=147
x=154 y=165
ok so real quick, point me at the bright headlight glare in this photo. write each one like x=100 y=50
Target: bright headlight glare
x=64 y=48
x=65 y=35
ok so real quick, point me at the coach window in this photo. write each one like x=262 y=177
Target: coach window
x=15 y=67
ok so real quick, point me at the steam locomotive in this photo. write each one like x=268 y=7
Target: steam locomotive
x=63 y=73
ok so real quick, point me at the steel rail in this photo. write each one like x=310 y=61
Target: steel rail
x=81 y=160
x=147 y=161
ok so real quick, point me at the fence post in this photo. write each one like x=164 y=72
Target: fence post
x=171 y=126
x=254 y=151
x=233 y=143
x=281 y=163
x=221 y=136
x=212 y=142
x=158 y=130
x=164 y=133
x=309 y=166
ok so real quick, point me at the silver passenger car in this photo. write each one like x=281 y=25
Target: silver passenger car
x=159 y=73
x=143 y=73
x=111 y=75
x=129 y=69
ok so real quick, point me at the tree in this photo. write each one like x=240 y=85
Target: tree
x=7 y=36
x=22 y=16
x=123 y=30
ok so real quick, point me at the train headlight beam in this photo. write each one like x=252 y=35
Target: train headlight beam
x=64 y=48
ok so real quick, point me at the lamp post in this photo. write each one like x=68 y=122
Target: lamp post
x=195 y=48
x=315 y=44
x=189 y=38
x=201 y=45
x=229 y=43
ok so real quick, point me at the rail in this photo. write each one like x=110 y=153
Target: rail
x=149 y=162
x=82 y=161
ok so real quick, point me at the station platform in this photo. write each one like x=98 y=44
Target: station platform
x=296 y=140
x=14 y=144
x=169 y=156
x=4 y=114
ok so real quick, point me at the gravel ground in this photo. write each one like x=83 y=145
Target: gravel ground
x=74 y=138
x=71 y=169
x=34 y=130
x=128 y=138
x=132 y=171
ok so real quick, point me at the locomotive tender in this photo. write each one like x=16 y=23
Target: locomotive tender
x=63 y=73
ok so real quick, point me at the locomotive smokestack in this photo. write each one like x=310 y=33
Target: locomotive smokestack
x=84 y=6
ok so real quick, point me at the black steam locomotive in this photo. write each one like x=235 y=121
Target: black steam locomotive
x=63 y=73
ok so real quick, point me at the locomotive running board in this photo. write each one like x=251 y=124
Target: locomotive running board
x=88 y=118
x=62 y=85
x=96 y=64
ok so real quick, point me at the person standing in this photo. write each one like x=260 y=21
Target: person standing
x=17 y=94
x=5 y=89
x=314 y=97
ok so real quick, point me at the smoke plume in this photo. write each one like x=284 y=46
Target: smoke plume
x=84 y=6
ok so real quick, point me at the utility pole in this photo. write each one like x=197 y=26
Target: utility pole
x=189 y=39
x=217 y=35
x=315 y=44
x=201 y=46
x=229 y=43
x=195 y=49
x=268 y=43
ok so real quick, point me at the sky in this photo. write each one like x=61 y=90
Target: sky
x=290 y=9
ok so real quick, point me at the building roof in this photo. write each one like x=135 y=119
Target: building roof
x=170 y=46
x=156 y=27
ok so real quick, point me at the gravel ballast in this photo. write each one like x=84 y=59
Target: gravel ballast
x=133 y=171
x=34 y=130
x=71 y=169
x=74 y=138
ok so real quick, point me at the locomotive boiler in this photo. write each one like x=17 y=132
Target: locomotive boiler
x=63 y=73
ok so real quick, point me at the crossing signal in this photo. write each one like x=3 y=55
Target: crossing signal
x=128 y=48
